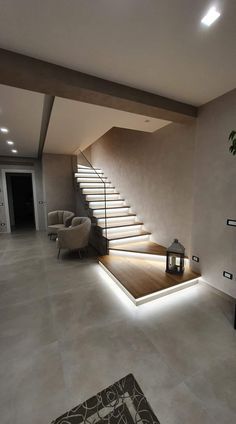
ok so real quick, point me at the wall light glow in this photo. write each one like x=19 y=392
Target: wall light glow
x=211 y=16
x=4 y=130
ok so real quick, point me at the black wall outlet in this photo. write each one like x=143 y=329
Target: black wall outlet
x=228 y=275
x=231 y=222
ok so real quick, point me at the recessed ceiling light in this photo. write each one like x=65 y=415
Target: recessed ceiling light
x=211 y=16
x=4 y=130
x=14 y=151
x=147 y=120
x=10 y=142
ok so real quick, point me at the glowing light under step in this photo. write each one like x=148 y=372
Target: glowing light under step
x=89 y=180
x=109 y=196
x=102 y=211
x=128 y=240
x=121 y=219
x=150 y=297
x=83 y=166
x=89 y=175
x=87 y=168
x=128 y=228
x=96 y=191
x=108 y=204
x=89 y=171
x=94 y=184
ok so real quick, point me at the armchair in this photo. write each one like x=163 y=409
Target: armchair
x=58 y=220
x=76 y=236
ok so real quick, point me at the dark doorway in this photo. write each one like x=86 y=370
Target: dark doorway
x=20 y=200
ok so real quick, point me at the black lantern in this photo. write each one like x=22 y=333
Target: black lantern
x=175 y=258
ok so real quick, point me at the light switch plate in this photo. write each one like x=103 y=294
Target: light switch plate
x=228 y=275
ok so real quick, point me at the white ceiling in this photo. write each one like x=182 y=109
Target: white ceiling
x=75 y=125
x=156 y=45
x=21 y=113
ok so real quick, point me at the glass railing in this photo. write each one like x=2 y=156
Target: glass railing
x=101 y=194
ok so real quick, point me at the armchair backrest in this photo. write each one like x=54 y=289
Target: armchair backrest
x=84 y=225
x=60 y=217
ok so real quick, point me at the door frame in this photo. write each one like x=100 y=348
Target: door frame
x=5 y=195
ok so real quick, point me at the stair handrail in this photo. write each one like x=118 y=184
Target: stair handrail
x=105 y=198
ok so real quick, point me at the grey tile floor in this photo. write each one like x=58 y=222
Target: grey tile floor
x=65 y=334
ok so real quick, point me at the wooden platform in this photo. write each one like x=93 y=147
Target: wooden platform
x=143 y=278
x=147 y=247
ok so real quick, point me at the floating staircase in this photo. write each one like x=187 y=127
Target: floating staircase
x=135 y=262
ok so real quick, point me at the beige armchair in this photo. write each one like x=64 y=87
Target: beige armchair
x=58 y=220
x=76 y=236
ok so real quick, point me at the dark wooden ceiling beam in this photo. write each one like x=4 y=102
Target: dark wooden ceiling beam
x=22 y=71
x=47 y=110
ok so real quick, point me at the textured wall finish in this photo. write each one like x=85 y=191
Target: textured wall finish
x=153 y=172
x=215 y=193
x=58 y=182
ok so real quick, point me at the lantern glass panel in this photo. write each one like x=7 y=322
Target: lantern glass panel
x=175 y=258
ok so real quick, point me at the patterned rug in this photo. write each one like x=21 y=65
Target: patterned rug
x=121 y=403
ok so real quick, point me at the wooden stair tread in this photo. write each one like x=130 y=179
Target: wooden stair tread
x=84 y=188
x=147 y=247
x=127 y=235
x=112 y=207
x=116 y=215
x=117 y=225
x=103 y=201
x=140 y=277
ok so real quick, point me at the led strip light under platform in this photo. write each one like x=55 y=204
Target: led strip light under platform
x=145 y=280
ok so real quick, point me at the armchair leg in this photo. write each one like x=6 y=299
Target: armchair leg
x=58 y=255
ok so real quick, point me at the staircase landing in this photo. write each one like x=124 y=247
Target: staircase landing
x=145 y=247
x=147 y=280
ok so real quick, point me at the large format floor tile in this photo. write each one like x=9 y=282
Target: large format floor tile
x=66 y=333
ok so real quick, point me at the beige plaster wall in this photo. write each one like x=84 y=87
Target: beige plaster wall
x=58 y=181
x=215 y=193
x=154 y=174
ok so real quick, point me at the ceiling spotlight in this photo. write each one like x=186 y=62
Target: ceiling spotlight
x=4 y=130
x=14 y=151
x=10 y=142
x=147 y=120
x=210 y=17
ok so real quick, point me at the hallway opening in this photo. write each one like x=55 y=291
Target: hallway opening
x=20 y=200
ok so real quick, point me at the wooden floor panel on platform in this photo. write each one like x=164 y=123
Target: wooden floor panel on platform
x=147 y=247
x=143 y=277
